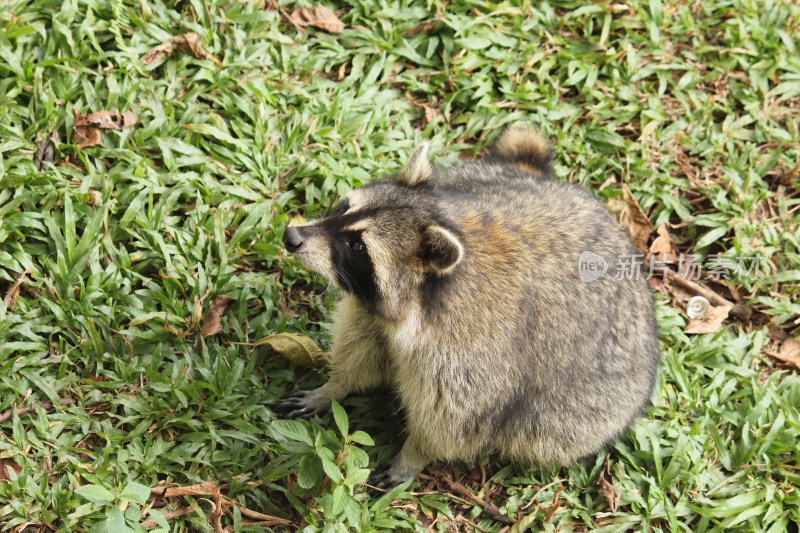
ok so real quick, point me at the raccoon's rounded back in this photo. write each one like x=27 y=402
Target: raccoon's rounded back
x=584 y=352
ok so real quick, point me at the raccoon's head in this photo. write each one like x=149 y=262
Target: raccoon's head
x=383 y=241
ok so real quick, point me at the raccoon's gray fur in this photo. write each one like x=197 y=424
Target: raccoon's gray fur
x=462 y=291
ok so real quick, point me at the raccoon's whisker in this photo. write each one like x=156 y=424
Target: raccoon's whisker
x=341 y=275
x=328 y=285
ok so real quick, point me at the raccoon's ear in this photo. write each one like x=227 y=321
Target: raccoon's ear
x=417 y=169
x=441 y=250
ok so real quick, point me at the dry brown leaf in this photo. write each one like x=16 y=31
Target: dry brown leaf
x=86 y=128
x=201 y=489
x=84 y=133
x=86 y=136
x=192 y=44
x=777 y=334
x=790 y=176
x=13 y=292
x=11 y=296
x=611 y=493
x=129 y=118
x=157 y=53
x=319 y=16
x=197 y=312
x=5 y=463
x=663 y=247
x=431 y=113
x=213 y=322
x=298 y=349
x=789 y=353
x=711 y=322
x=632 y=217
x=107 y=120
x=425 y=27
x=103 y=119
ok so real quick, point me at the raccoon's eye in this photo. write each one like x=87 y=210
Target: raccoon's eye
x=357 y=247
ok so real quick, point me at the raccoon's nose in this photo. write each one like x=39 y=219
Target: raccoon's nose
x=292 y=239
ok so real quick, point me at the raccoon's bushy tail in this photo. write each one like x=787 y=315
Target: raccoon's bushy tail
x=524 y=147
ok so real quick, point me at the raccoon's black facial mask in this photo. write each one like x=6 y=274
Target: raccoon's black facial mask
x=353 y=266
x=349 y=255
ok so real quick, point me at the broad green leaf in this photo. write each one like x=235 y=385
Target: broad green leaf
x=340 y=416
x=115 y=522
x=340 y=497
x=292 y=429
x=95 y=493
x=135 y=492
x=362 y=438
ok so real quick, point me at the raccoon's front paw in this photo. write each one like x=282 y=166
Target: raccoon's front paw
x=302 y=404
x=387 y=477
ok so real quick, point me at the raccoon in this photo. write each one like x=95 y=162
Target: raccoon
x=462 y=290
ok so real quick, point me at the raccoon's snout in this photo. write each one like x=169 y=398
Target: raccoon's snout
x=293 y=239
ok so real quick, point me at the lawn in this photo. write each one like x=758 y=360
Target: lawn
x=140 y=257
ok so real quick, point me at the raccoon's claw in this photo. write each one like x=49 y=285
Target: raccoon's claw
x=384 y=479
x=302 y=404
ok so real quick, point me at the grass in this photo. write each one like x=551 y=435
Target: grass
x=124 y=245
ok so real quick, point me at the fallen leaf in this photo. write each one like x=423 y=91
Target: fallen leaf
x=790 y=176
x=108 y=120
x=632 y=217
x=298 y=349
x=87 y=136
x=658 y=284
x=5 y=463
x=197 y=312
x=84 y=133
x=425 y=27
x=44 y=154
x=431 y=113
x=102 y=119
x=789 y=353
x=191 y=43
x=129 y=118
x=95 y=198
x=86 y=128
x=611 y=493
x=12 y=293
x=319 y=16
x=213 y=322
x=157 y=53
x=663 y=247
x=777 y=334
x=711 y=322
